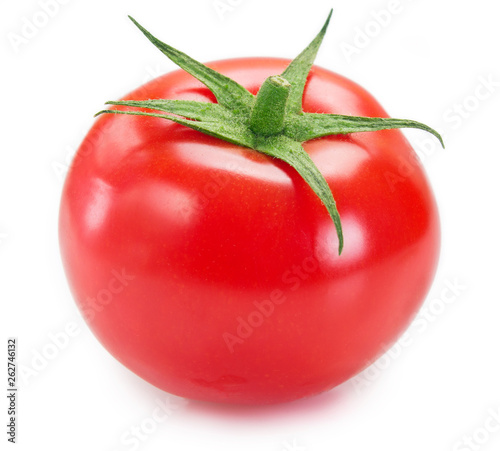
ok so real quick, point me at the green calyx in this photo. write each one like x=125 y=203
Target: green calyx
x=272 y=122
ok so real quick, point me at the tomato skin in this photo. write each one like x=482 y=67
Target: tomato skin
x=212 y=271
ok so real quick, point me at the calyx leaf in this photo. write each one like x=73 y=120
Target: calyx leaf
x=272 y=122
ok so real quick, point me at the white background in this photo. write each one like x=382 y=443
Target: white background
x=437 y=389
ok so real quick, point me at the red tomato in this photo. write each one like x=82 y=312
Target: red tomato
x=212 y=270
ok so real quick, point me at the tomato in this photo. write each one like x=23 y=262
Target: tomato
x=212 y=271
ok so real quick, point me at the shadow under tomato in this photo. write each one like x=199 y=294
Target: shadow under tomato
x=326 y=401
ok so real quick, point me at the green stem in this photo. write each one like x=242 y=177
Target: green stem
x=268 y=114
